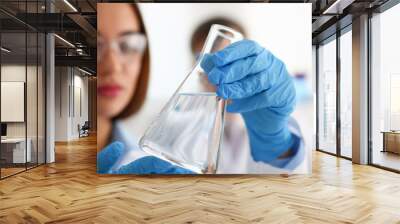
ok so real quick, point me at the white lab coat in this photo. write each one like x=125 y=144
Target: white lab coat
x=235 y=156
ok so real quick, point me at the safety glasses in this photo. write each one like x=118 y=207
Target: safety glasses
x=128 y=47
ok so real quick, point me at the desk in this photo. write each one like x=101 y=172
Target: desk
x=391 y=141
x=13 y=150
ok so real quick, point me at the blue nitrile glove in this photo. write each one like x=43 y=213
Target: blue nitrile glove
x=261 y=89
x=107 y=157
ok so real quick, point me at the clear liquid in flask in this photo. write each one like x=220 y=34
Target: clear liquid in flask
x=188 y=131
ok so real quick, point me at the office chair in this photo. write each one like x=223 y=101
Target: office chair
x=84 y=130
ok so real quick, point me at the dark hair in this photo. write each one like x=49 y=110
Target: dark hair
x=139 y=95
x=200 y=34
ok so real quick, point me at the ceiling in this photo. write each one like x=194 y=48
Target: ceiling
x=332 y=15
x=72 y=20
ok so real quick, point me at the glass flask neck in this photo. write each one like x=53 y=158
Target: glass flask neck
x=218 y=38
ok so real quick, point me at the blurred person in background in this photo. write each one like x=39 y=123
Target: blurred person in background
x=236 y=147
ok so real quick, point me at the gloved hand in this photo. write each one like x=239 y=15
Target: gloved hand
x=107 y=157
x=261 y=89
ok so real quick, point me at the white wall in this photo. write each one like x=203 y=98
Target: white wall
x=61 y=103
x=81 y=84
x=14 y=73
x=17 y=73
x=282 y=28
x=69 y=82
x=12 y=99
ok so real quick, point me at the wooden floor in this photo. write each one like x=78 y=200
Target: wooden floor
x=10 y=171
x=70 y=191
x=5 y=172
x=387 y=159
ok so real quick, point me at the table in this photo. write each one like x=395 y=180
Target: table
x=391 y=141
x=13 y=150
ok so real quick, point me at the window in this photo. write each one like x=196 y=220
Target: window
x=346 y=94
x=327 y=97
x=385 y=89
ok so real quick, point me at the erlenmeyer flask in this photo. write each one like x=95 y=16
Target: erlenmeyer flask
x=188 y=131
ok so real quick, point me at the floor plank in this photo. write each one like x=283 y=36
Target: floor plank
x=69 y=191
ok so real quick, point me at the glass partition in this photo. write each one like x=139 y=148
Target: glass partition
x=327 y=96
x=14 y=153
x=22 y=77
x=31 y=99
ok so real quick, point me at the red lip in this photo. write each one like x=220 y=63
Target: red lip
x=109 y=90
